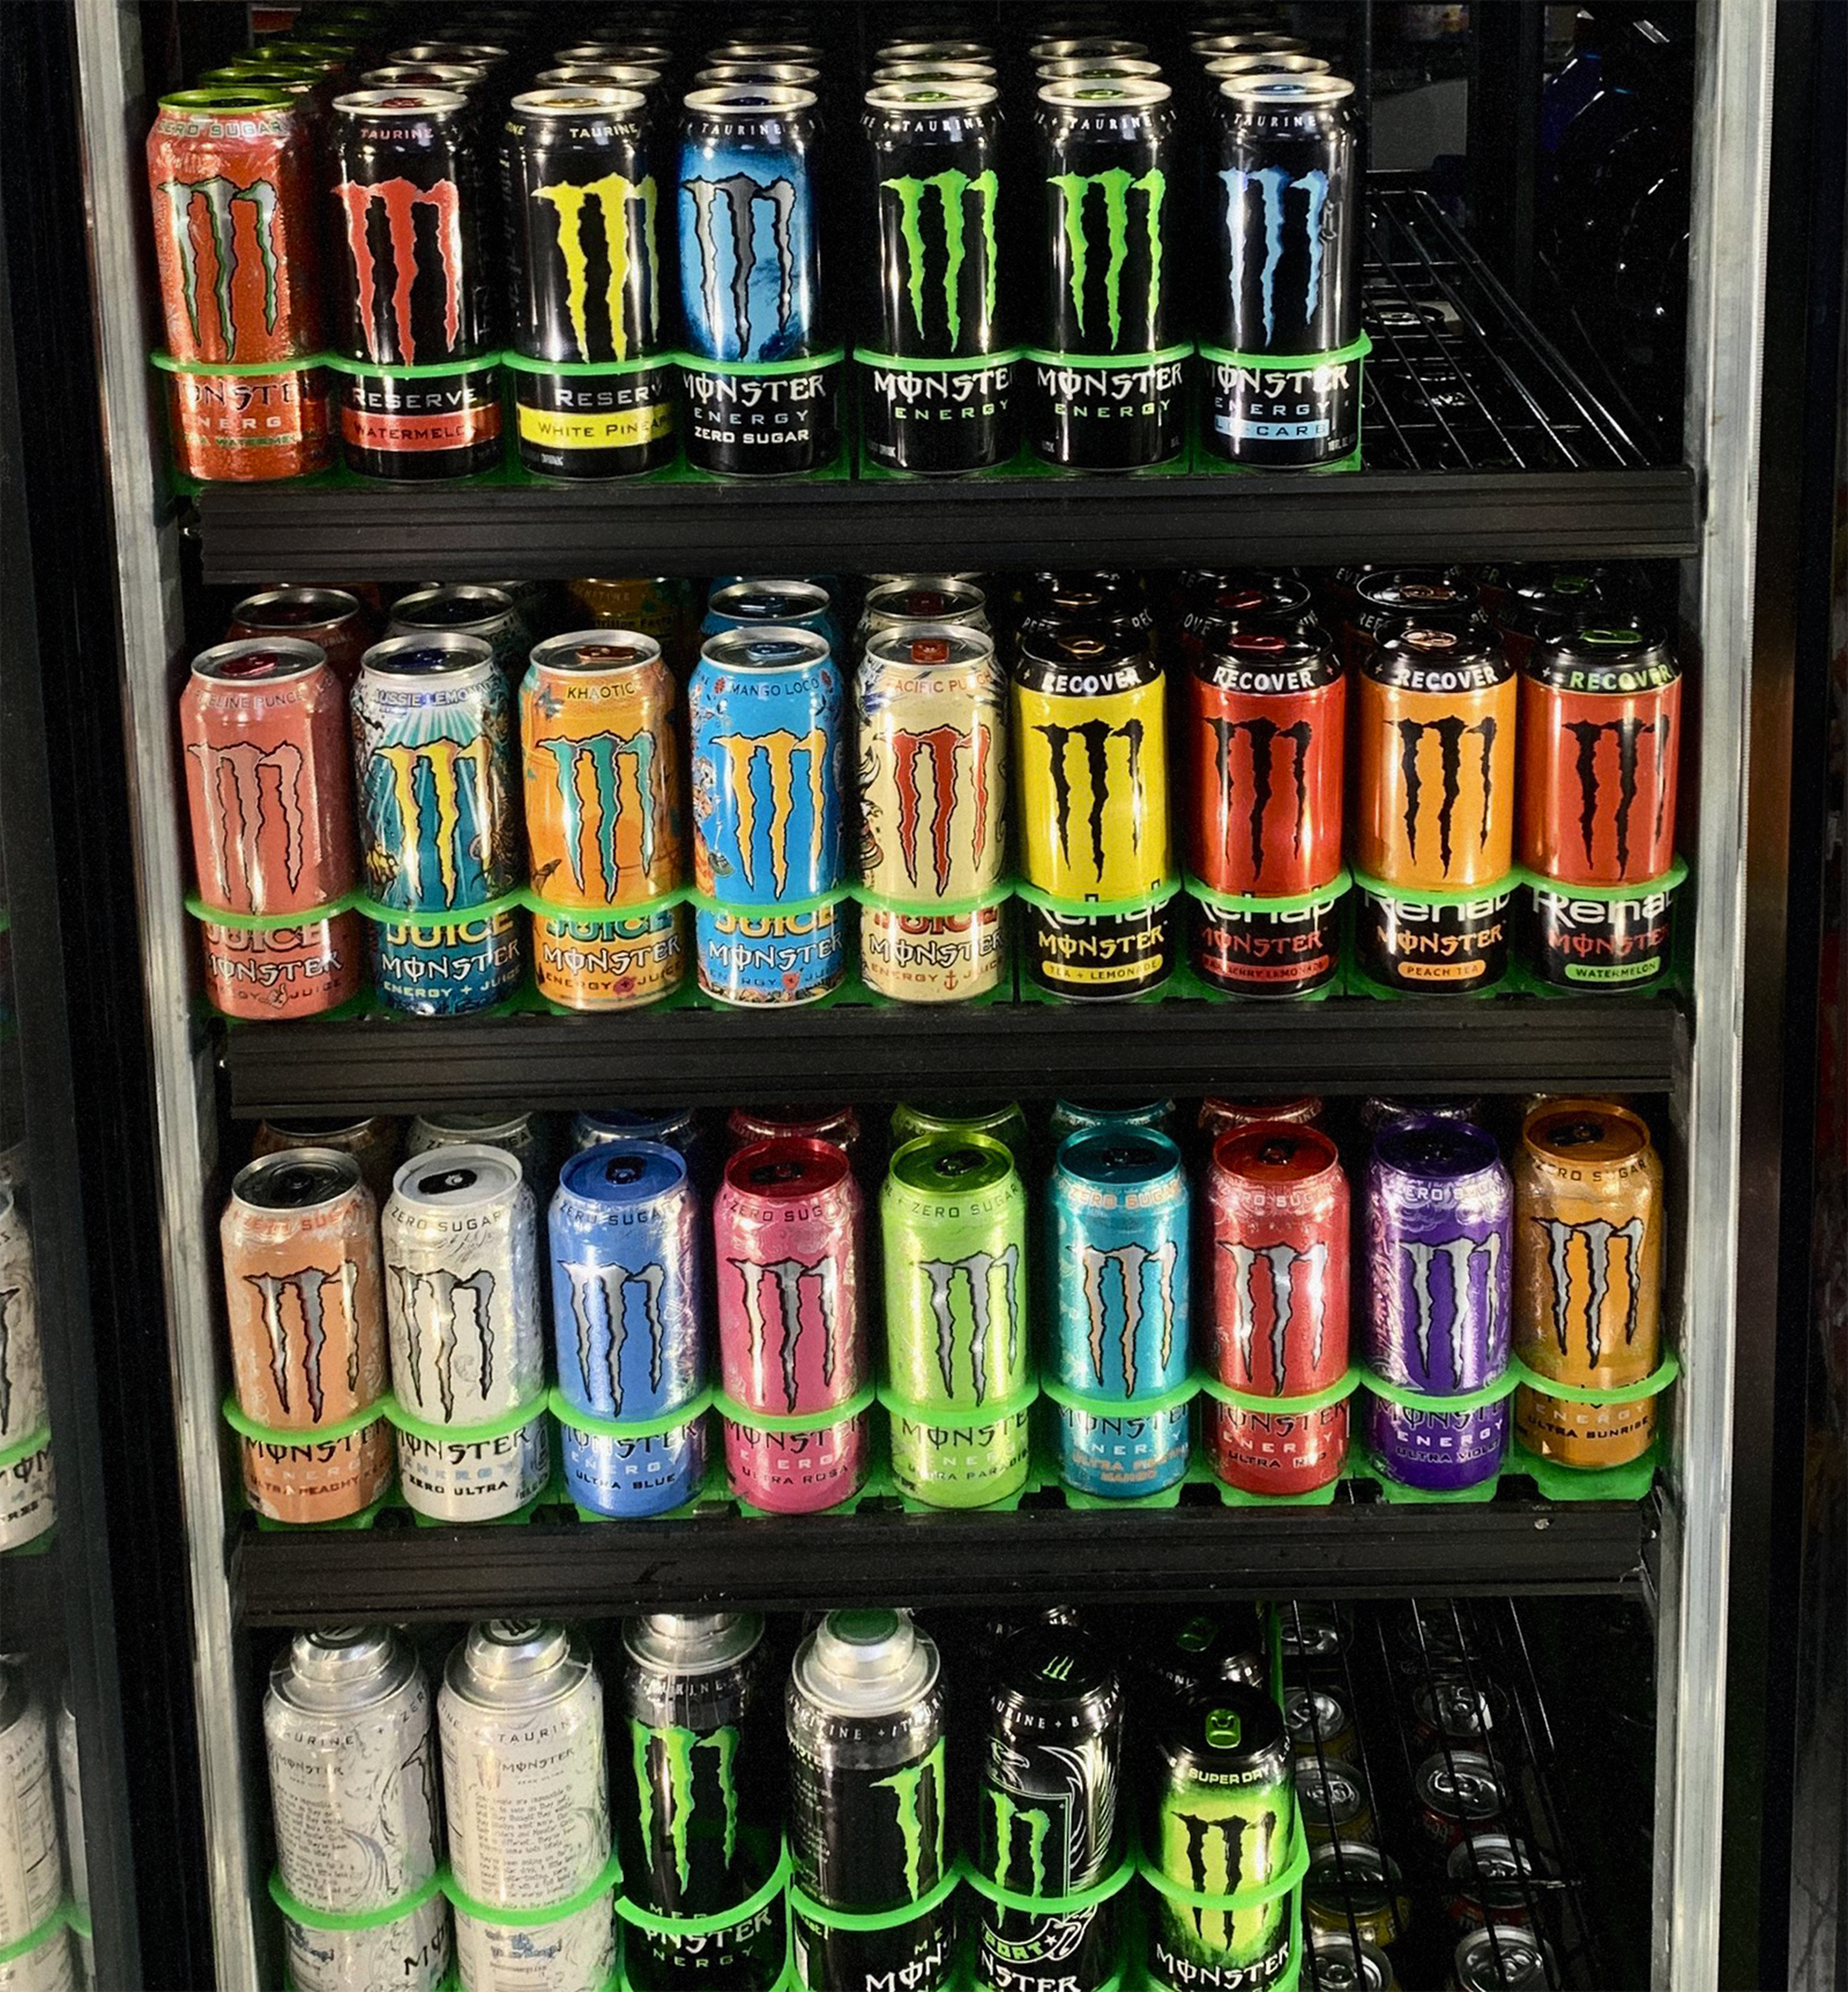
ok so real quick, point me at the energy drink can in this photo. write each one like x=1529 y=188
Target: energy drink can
x=1458 y=1793
x=1354 y=1888
x=1339 y=1961
x=679 y=1127
x=415 y=289
x=32 y=1875
x=787 y=1226
x=1192 y=1653
x=75 y=1854
x=1219 y=1113
x=467 y=608
x=28 y=1493
x=1438 y=1208
x=839 y=1126
x=269 y=784
x=346 y=1724
x=1223 y=1810
x=927 y=72
x=1217 y=603
x=695 y=1701
x=760 y=389
x=1005 y=1123
x=1048 y=1812
x=605 y=823
x=768 y=746
x=868 y=1794
x=432 y=749
x=1450 y=1711
x=1119 y=1249
x=1066 y=48
x=1073 y=1117
x=373 y=1142
x=1113 y=602
x=1333 y=1798
x=1588 y=1248
x=299 y=1238
x=953 y=1216
x=898 y=602
x=468 y=1341
x=328 y=618
x=520 y=1135
x=1096 y=68
x=1383 y=602
x=1496 y=1958
x=1532 y=604
x=1495 y=1877
x=1319 y=1723
x=788 y=604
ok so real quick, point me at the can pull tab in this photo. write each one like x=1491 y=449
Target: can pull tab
x=445 y=1182
x=622 y=1169
x=930 y=650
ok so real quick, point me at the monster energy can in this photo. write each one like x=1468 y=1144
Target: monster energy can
x=470 y=609
x=679 y=1127
x=907 y=600
x=1005 y=1124
x=31 y=1875
x=793 y=604
x=520 y=1135
x=1047 y=1811
x=1224 y=1813
x=1075 y=1116
x=866 y=1713
x=698 y=1838
x=1198 y=1653
x=28 y=1495
x=954 y=1225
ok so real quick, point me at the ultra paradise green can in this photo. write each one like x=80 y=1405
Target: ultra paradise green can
x=1224 y=1811
x=953 y=1222
x=1002 y=1122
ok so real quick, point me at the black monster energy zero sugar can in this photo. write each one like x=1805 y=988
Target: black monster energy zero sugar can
x=1106 y=379
x=1284 y=382
x=1047 y=1812
x=581 y=197
x=936 y=395
x=867 y=1792
x=696 y=1840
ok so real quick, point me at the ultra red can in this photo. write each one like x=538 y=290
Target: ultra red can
x=269 y=784
x=838 y=1125
x=328 y=617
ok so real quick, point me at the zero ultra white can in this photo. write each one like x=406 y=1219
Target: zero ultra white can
x=526 y=1783
x=32 y=1870
x=27 y=1505
x=353 y=1791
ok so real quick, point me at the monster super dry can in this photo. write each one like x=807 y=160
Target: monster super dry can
x=868 y=1796
x=786 y=1228
x=953 y=1219
x=28 y=1491
x=627 y=1314
x=330 y=618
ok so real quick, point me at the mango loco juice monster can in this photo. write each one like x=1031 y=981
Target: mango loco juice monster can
x=768 y=742
x=28 y=1496
x=626 y=1314
x=605 y=823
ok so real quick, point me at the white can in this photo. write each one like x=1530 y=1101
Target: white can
x=28 y=1506
x=411 y=1951
x=521 y=1135
x=574 y=1955
x=48 y=1967
x=76 y=1857
x=31 y=1873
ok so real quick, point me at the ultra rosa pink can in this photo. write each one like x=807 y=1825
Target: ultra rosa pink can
x=787 y=1223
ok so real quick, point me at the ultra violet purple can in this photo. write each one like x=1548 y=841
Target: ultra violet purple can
x=1438 y=1215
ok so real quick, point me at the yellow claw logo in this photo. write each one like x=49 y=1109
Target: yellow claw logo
x=615 y=197
x=779 y=751
x=446 y=760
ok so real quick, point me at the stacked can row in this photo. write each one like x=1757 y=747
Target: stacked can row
x=45 y=1932
x=760 y=1822
x=663 y=249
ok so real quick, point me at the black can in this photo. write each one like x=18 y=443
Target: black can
x=1102 y=601
x=1195 y=1654
x=1389 y=601
x=1107 y=384
x=1284 y=301
x=1219 y=603
x=414 y=287
x=1047 y=1815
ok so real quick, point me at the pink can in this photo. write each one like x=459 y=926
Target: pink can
x=787 y=1223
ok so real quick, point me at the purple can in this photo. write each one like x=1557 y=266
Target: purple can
x=1439 y=1208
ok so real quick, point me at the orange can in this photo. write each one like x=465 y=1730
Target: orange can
x=1589 y=1226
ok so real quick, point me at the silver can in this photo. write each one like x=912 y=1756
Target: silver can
x=1458 y=1793
x=907 y=598
x=575 y=1954
x=1345 y=1963
x=1502 y=1959
x=28 y=1500
x=48 y=1967
x=76 y=1856
x=522 y=1135
x=1319 y=1723
x=468 y=1341
x=1492 y=1876
x=1332 y=1798
x=31 y=1875
x=469 y=609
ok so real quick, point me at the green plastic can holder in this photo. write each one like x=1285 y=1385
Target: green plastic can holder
x=1287 y=362
x=222 y=916
x=519 y=362
x=1337 y=889
x=1002 y=1411
x=1301 y=1407
x=234 y=370
x=806 y=1906
x=299 y=1438
x=299 y=1912
x=997 y=895
x=754 y=1904
x=1156 y=1405
x=1504 y=1386
x=508 y=1422
x=1070 y=1904
x=696 y=363
x=784 y=909
x=24 y=1449
x=63 y=1917
x=1128 y=362
x=603 y=1882
x=509 y=901
x=477 y=363
x=1253 y=1898
x=973 y=363
x=1088 y=909
x=595 y=1427
x=1652 y=1386
x=634 y=909
x=849 y=1408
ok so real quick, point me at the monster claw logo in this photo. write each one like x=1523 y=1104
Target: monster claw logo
x=786 y=1277
x=667 y=1764
x=1216 y=1849
x=1283 y=1264
x=400 y=199
x=1262 y=736
x=8 y=1296
x=1132 y=1263
x=427 y=1304
x=1273 y=183
x=435 y=776
x=952 y=189
x=1116 y=186
x=599 y=1305
x=975 y=1276
x=588 y=774
x=1451 y=732
x=1597 y=1237
x=1628 y=736
x=219 y=200
x=775 y=753
x=627 y=247
x=1459 y=1255
x=917 y=1794
x=738 y=197
x=307 y=1287
x=1094 y=735
x=938 y=749
x=233 y=780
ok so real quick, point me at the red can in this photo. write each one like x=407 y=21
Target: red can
x=329 y=617
x=270 y=786
x=1219 y=1115
x=1276 y=1452
x=839 y=1125
x=1216 y=602
x=1601 y=741
x=1389 y=600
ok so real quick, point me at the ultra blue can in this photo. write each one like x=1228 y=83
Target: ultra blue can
x=623 y=1229
x=752 y=603
x=768 y=747
x=679 y=1127
x=1119 y=1243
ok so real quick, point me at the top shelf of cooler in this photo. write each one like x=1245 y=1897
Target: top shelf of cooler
x=1480 y=442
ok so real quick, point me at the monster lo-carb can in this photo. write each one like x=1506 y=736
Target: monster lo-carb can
x=352 y=1758
x=1587 y=1279
x=231 y=172
x=931 y=707
x=626 y=1310
x=1107 y=385
x=758 y=373
x=420 y=398
x=1120 y=1268
x=1283 y=381
x=468 y=1340
x=269 y=785
x=330 y=618
x=299 y=1239
x=605 y=823
x=937 y=392
x=1049 y=1821
x=579 y=192
x=768 y=734
x=868 y=1793
x=1090 y=750
x=697 y=1831
x=1266 y=719
x=471 y=608
x=953 y=1223
x=1438 y=1256
x=29 y=1491
x=1223 y=1814
x=1004 y=1123
x=433 y=765
x=787 y=1226
x=1278 y=1219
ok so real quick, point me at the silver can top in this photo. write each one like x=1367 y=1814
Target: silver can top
x=1500 y=1958
x=580 y=100
x=430 y=657
x=590 y=652
x=1462 y=1784
x=750 y=99
x=1125 y=93
x=1345 y=1962
x=765 y=647
x=867 y=1663
x=933 y=98
x=452 y=605
x=439 y=1130
x=258 y=660
x=341 y=1670
x=1272 y=89
x=282 y=608
x=929 y=647
x=692 y=1642
x=410 y=102
x=516 y=1663
x=467 y=1176
x=297 y=1179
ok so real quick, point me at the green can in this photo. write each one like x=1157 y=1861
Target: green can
x=913 y=1119
x=1224 y=1816
x=953 y=1223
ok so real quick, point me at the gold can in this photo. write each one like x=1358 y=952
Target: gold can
x=1354 y=1888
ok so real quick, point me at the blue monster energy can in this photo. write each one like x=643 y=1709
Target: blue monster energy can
x=627 y=1316
x=750 y=604
x=440 y=830
x=766 y=706
x=1119 y=1203
x=679 y=1127
x=1071 y=1117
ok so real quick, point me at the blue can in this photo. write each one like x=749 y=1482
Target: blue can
x=433 y=965
x=1120 y=1258
x=1073 y=1117
x=633 y=1478
x=679 y=1127
x=752 y=604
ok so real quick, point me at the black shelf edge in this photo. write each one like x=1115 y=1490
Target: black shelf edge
x=382 y=1065
x=340 y=532
x=574 y=1570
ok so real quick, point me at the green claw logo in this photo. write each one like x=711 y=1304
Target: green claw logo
x=951 y=189
x=1116 y=185
x=1037 y=1823
x=917 y=1788
x=221 y=198
x=666 y=1765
